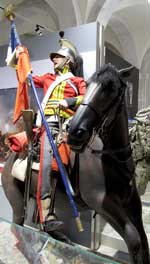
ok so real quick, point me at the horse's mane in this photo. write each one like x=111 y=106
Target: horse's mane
x=78 y=67
x=107 y=75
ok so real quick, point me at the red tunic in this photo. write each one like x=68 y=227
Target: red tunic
x=62 y=91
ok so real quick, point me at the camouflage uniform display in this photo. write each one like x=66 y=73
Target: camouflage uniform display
x=140 y=142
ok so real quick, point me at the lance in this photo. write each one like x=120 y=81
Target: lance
x=57 y=157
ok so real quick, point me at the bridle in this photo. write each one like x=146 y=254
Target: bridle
x=108 y=119
x=109 y=116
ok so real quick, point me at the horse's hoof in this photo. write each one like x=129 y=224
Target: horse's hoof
x=52 y=225
x=61 y=237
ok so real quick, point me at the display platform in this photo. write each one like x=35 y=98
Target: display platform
x=24 y=245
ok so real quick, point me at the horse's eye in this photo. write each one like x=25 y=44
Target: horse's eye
x=80 y=133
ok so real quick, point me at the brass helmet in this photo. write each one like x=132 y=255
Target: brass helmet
x=70 y=54
x=67 y=49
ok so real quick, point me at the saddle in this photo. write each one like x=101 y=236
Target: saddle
x=18 y=143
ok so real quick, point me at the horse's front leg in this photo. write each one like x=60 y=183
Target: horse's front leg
x=93 y=191
x=134 y=211
x=116 y=215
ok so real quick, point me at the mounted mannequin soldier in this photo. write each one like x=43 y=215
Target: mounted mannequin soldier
x=63 y=91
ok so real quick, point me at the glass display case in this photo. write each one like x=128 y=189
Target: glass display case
x=25 y=245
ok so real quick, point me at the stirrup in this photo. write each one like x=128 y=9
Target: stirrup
x=52 y=225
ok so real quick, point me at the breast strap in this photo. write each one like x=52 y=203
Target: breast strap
x=58 y=80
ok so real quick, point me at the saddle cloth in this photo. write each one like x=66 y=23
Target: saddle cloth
x=18 y=142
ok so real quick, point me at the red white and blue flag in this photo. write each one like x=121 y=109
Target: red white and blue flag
x=22 y=65
x=14 y=41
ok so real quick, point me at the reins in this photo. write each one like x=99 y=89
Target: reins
x=112 y=153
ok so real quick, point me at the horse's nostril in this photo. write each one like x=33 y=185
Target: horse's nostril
x=80 y=133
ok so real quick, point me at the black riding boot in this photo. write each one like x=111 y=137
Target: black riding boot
x=51 y=222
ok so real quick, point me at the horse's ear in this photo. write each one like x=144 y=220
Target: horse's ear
x=124 y=73
x=78 y=66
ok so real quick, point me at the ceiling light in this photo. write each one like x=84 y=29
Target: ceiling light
x=38 y=31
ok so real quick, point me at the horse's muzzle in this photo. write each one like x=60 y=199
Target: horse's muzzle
x=78 y=140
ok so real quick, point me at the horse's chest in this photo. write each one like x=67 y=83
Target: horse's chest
x=91 y=168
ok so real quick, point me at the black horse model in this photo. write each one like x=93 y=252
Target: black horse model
x=106 y=175
x=112 y=192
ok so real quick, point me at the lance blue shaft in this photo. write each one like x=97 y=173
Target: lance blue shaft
x=57 y=157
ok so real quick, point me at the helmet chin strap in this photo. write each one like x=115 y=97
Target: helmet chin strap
x=61 y=65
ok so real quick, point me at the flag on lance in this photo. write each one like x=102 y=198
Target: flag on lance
x=18 y=57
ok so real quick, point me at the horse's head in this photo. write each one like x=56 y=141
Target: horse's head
x=105 y=92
